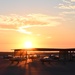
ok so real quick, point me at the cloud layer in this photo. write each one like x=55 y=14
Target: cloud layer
x=67 y=8
x=67 y=4
x=19 y=23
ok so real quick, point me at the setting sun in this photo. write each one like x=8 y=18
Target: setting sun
x=28 y=44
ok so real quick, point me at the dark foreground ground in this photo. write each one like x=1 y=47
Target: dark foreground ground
x=36 y=68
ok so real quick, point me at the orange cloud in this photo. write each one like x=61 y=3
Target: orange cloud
x=17 y=22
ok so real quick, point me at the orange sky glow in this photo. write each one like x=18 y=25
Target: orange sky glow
x=37 y=24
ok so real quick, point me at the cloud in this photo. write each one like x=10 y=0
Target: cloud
x=68 y=13
x=38 y=34
x=67 y=4
x=62 y=6
x=49 y=37
x=19 y=23
x=67 y=8
x=67 y=1
x=23 y=31
x=72 y=0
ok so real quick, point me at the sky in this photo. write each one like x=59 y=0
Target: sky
x=42 y=23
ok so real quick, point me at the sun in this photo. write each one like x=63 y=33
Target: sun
x=28 y=44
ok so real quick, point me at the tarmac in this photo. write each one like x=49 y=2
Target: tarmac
x=36 y=68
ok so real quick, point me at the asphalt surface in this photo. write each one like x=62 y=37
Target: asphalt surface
x=36 y=68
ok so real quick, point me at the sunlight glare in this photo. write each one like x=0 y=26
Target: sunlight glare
x=28 y=44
